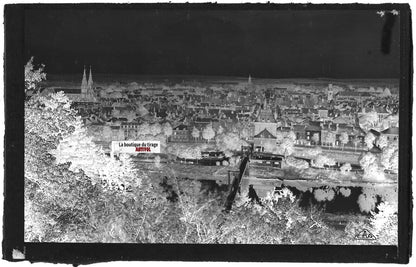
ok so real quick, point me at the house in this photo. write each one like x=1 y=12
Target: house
x=300 y=133
x=392 y=133
x=265 y=120
x=382 y=112
x=180 y=134
x=264 y=141
x=311 y=130
x=323 y=113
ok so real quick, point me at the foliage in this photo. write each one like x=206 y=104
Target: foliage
x=328 y=137
x=185 y=151
x=344 y=138
x=229 y=141
x=322 y=160
x=371 y=165
x=167 y=129
x=287 y=145
x=291 y=135
x=208 y=132
x=279 y=136
x=382 y=141
x=367 y=200
x=326 y=194
x=346 y=192
x=389 y=157
x=369 y=140
x=297 y=163
x=64 y=181
x=33 y=76
x=368 y=120
x=277 y=220
x=381 y=224
x=315 y=138
x=346 y=167
x=195 y=133
x=157 y=161
x=155 y=129
x=384 y=223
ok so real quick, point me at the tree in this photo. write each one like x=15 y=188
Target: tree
x=66 y=173
x=130 y=116
x=329 y=137
x=167 y=129
x=121 y=134
x=343 y=139
x=155 y=129
x=195 y=133
x=315 y=138
x=33 y=76
x=157 y=161
x=346 y=167
x=367 y=159
x=115 y=113
x=369 y=140
x=288 y=146
x=279 y=136
x=291 y=135
x=208 y=133
x=368 y=120
x=245 y=130
x=371 y=167
x=382 y=141
x=386 y=157
x=191 y=153
x=142 y=110
x=144 y=129
x=394 y=160
x=220 y=130
x=229 y=141
x=326 y=194
x=322 y=160
x=297 y=163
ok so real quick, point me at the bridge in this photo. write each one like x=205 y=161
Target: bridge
x=235 y=185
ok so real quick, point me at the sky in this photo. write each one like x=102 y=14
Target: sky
x=220 y=42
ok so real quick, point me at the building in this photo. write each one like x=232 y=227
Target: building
x=330 y=93
x=265 y=120
x=180 y=134
x=83 y=94
x=312 y=130
x=392 y=133
x=264 y=141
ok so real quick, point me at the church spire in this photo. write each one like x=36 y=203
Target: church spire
x=90 y=82
x=84 y=85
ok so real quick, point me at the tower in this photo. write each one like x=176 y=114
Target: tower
x=90 y=82
x=249 y=79
x=84 y=84
x=330 y=92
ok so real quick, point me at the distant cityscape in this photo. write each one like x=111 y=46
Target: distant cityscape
x=262 y=113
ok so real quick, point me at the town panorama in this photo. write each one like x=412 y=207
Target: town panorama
x=320 y=144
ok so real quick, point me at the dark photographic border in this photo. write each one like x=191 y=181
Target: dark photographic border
x=77 y=253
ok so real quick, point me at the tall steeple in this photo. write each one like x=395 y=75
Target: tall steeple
x=249 y=79
x=90 y=82
x=84 y=85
